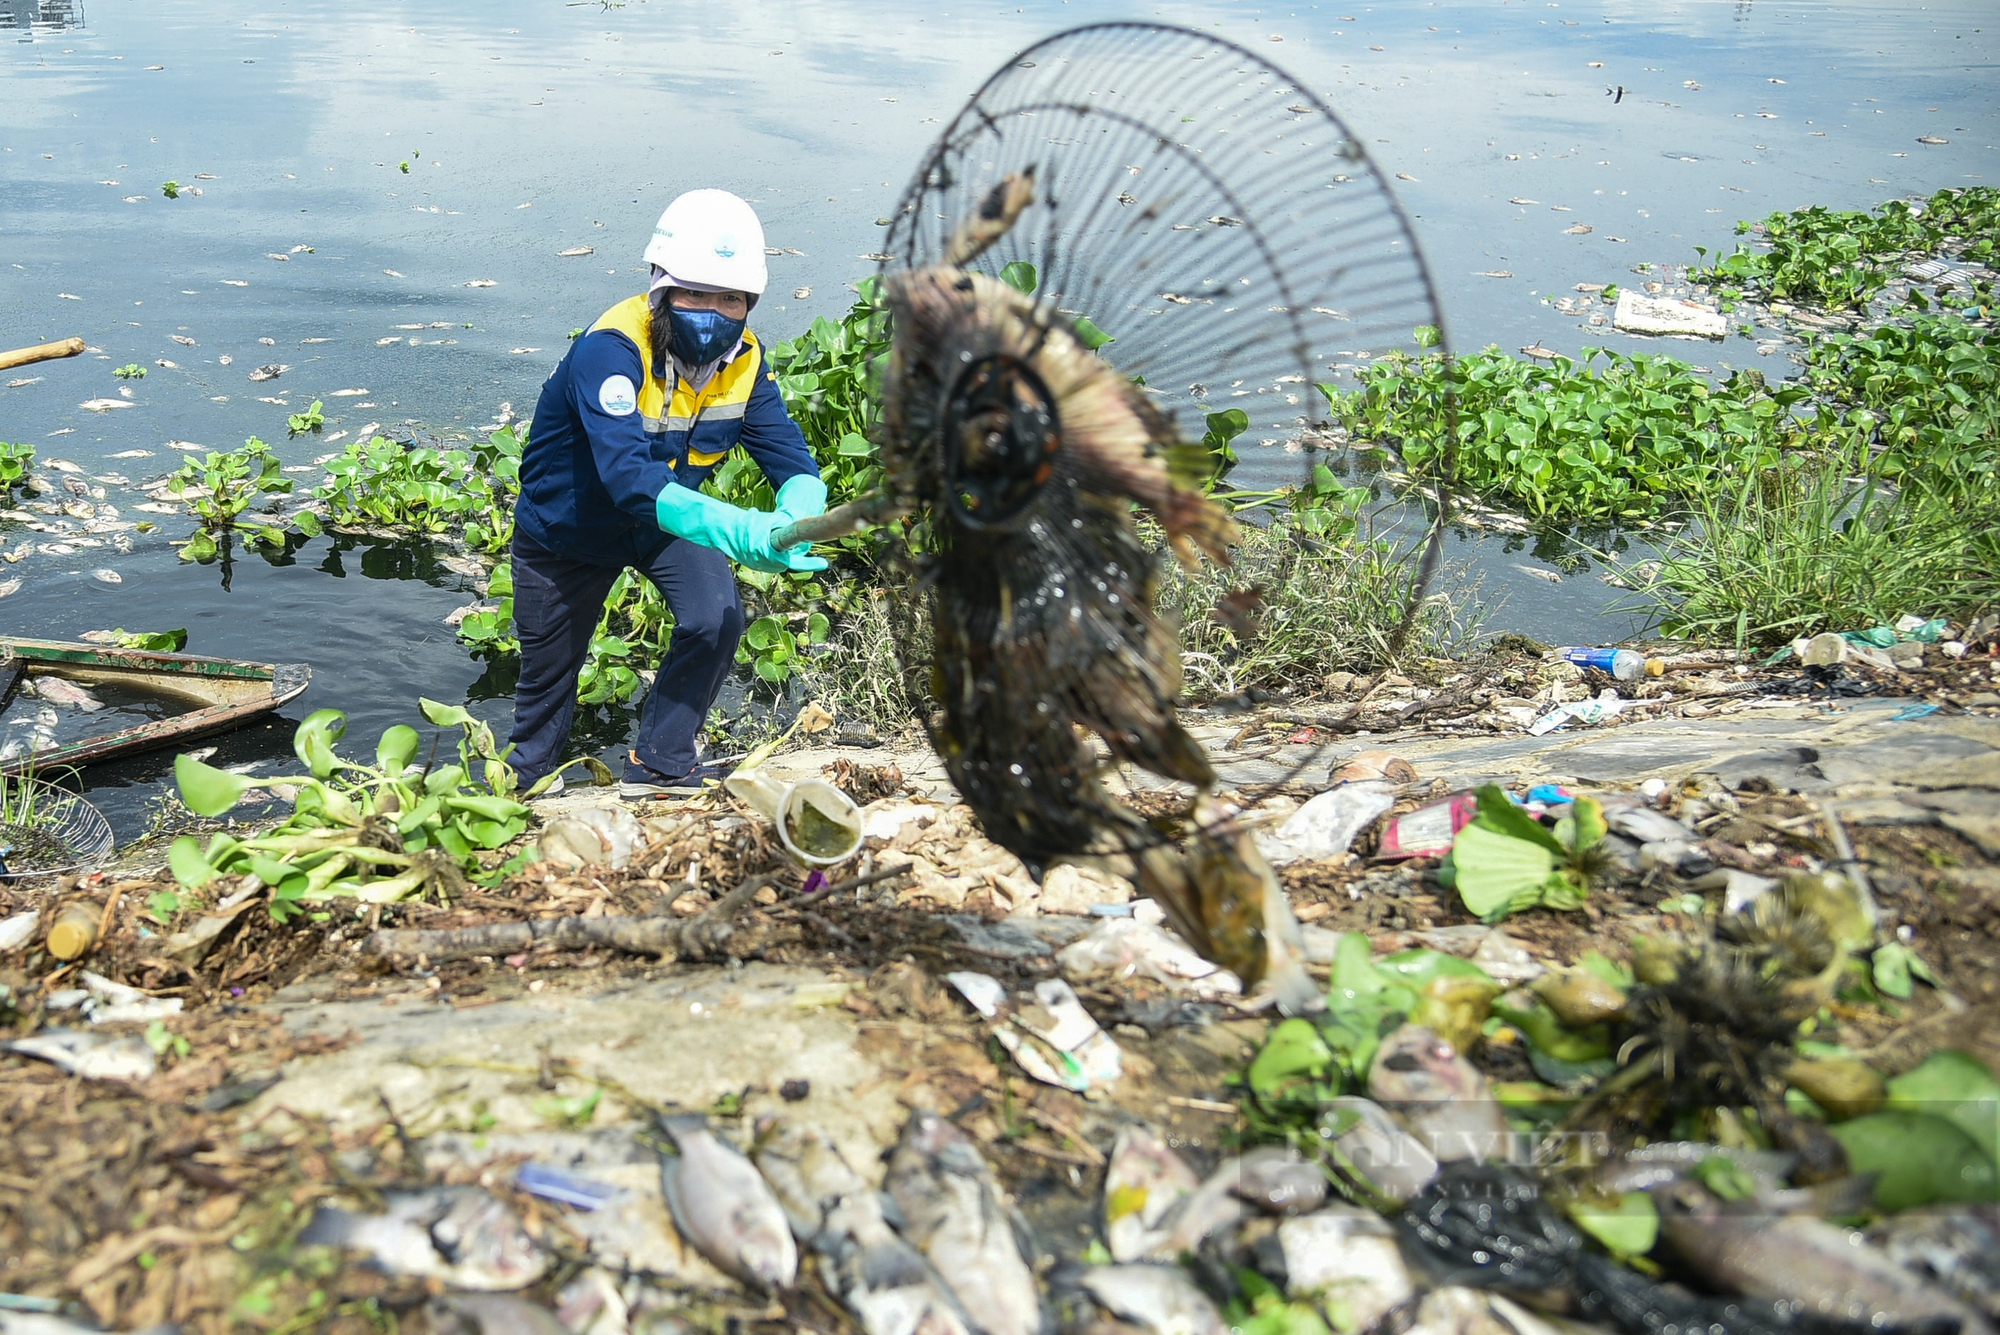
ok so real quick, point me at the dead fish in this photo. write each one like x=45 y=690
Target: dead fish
x=1389 y=1159
x=1348 y=1251
x=806 y=1172
x=724 y=1208
x=1439 y=1094
x=92 y=1056
x=270 y=372
x=1159 y=1299
x=1225 y=901
x=1828 y=1270
x=954 y=1211
x=591 y=1304
x=10 y=587
x=1212 y=1208
x=107 y=576
x=461 y=1235
x=884 y=1281
x=1277 y=1180
x=491 y=1314
x=1143 y=1183
x=1958 y=1246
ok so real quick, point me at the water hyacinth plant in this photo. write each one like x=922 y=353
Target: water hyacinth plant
x=222 y=486
x=376 y=833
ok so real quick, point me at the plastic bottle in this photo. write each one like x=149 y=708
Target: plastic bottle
x=74 y=930
x=1624 y=664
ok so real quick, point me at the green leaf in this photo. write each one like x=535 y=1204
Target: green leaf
x=1956 y=1087
x=1499 y=814
x=200 y=547
x=1497 y=872
x=1294 y=1063
x=1628 y=1227
x=315 y=738
x=185 y=860
x=307 y=523
x=397 y=749
x=1090 y=335
x=1021 y=276
x=445 y=716
x=208 y=791
x=853 y=446
x=1890 y=967
x=487 y=808
x=1920 y=1159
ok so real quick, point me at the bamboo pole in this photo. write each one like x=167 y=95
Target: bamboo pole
x=41 y=352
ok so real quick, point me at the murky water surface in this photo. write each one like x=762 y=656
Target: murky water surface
x=436 y=295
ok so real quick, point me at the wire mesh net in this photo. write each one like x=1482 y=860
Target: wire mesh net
x=1129 y=231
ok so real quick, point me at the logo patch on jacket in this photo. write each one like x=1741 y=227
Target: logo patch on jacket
x=617 y=397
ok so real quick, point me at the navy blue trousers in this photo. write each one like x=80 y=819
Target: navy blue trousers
x=557 y=601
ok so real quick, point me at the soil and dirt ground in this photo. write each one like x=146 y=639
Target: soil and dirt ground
x=308 y=1063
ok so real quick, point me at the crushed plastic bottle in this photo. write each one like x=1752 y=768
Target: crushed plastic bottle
x=1623 y=664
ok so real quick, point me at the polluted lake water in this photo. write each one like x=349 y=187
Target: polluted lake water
x=413 y=240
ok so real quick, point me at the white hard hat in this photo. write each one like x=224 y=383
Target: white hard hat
x=711 y=239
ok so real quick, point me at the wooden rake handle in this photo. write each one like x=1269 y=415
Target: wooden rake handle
x=41 y=352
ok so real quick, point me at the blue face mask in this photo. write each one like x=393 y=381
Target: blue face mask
x=701 y=336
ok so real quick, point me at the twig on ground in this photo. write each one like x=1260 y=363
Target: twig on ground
x=668 y=938
x=851 y=883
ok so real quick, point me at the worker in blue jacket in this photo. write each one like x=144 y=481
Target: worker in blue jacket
x=638 y=413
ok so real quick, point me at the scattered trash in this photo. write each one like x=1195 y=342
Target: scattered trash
x=1373 y=765
x=1640 y=314
x=1429 y=830
x=1125 y=947
x=1328 y=823
x=816 y=823
x=1606 y=705
x=91 y=1055
x=1624 y=664
x=1053 y=1037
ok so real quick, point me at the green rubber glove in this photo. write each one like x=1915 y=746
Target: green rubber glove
x=744 y=536
x=802 y=497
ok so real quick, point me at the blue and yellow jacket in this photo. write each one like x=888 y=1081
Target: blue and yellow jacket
x=609 y=435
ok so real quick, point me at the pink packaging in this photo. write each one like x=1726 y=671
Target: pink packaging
x=1428 y=831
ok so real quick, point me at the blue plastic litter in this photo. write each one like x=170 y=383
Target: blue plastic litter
x=556 y=1184
x=1914 y=711
x=1550 y=794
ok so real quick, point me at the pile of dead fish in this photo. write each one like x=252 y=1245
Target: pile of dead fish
x=1462 y=1242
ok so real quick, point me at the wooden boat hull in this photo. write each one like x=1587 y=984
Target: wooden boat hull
x=227 y=693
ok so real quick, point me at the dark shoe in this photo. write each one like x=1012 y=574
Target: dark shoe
x=640 y=781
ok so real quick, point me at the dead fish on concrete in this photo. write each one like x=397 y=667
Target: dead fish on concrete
x=1347 y=1252
x=1440 y=1095
x=591 y=1304
x=92 y=1056
x=806 y=1172
x=1143 y=1183
x=1159 y=1299
x=1278 y=1180
x=1958 y=1246
x=1801 y=1260
x=490 y=1314
x=724 y=1209
x=58 y=691
x=884 y=1281
x=954 y=1211
x=461 y=1235
x=1373 y=1146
